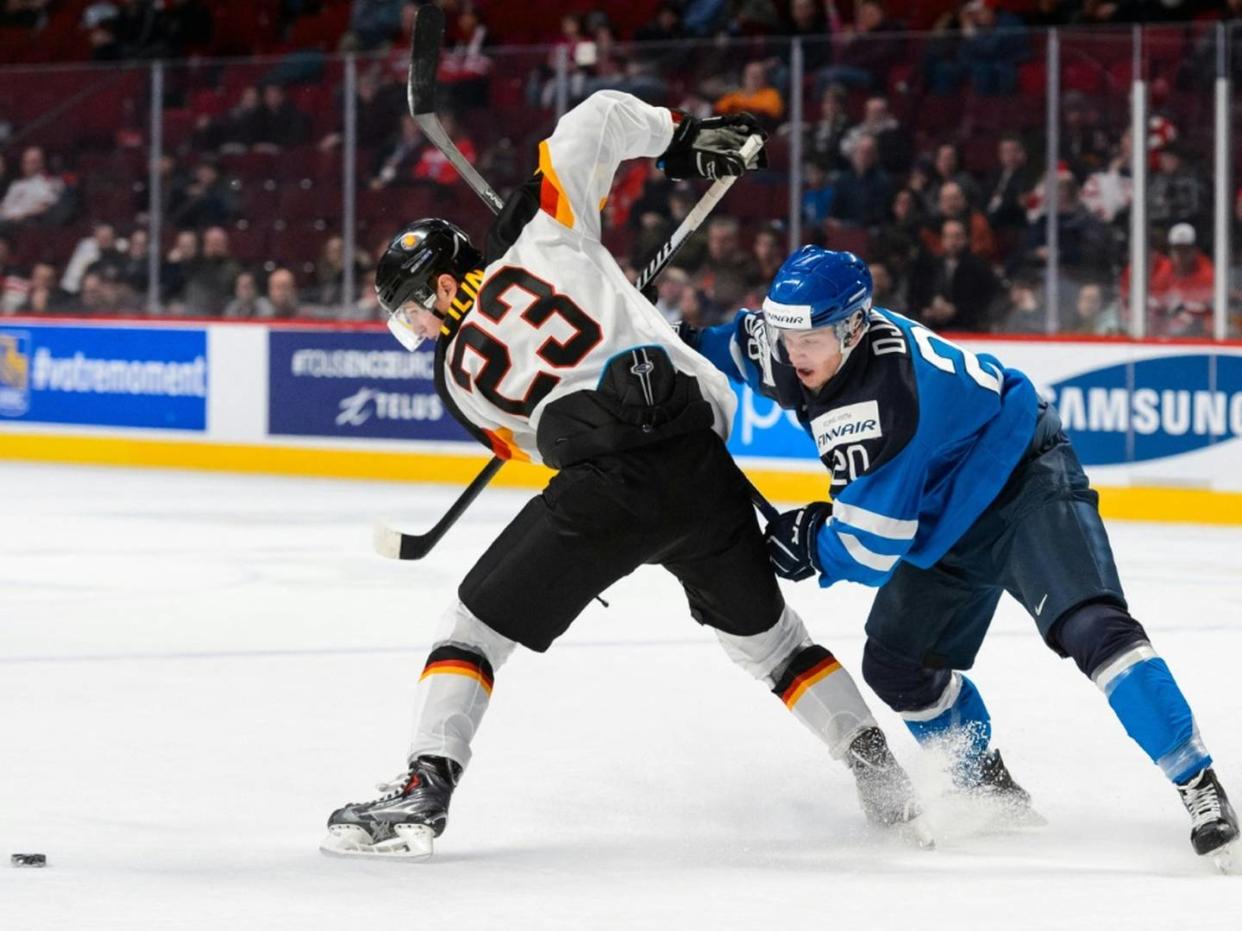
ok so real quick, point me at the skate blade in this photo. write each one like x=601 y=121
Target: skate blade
x=413 y=842
x=1228 y=859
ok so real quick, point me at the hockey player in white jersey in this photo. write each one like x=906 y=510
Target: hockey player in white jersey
x=547 y=353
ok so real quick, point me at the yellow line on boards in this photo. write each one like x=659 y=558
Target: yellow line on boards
x=1177 y=505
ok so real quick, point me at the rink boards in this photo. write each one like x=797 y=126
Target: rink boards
x=1156 y=424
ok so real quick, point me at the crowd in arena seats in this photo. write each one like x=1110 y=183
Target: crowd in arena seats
x=923 y=152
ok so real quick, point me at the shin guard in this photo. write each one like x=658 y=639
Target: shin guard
x=456 y=686
x=1142 y=693
x=959 y=718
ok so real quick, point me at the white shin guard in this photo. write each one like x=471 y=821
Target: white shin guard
x=456 y=685
x=806 y=677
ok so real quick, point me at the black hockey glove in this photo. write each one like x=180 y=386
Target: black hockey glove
x=793 y=540
x=710 y=148
x=687 y=334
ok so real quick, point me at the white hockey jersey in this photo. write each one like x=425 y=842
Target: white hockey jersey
x=555 y=308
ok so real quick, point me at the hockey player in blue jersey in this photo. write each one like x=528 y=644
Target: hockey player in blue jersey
x=952 y=481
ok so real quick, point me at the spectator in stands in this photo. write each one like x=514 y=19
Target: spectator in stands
x=869 y=52
x=665 y=26
x=433 y=165
x=99 y=296
x=138 y=28
x=995 y=42
x=98 y=249
x=206 y=199
x=1046 y=14
x=187 y=25
x=809 y=22
x=380 y=107
x=1094 y=313
x=99 y=23
x=175 y=270
x=1007 y=187
x=13 y=284
x=947 y=167
x=135 y=271
x=247 y=302
x=210 y=279
x=756 y=96
x=823 y=137
x=24 y=14
x=330 y=273
x=1025 y=312
x=670 y=288
x=1084 y=244
x=282 y=293
x=957 y=290
x=1085 y=146
x=5 y=177
x=366 y=307
x=727 y=272
x=865 y=192
x=1177 y=193
x=705 y=17
x=374 y=22
x=952 y=205
x=30 y=198
x=883 y=288
x=281 y=125
x=234 y=131
x=397 y=166
x=42 y=296
x=769 y=252
x=1181 y=290
x=817 y=195
x=1108 y=194
x=880 y=123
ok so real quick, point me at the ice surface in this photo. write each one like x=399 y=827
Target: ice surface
x=196 y=669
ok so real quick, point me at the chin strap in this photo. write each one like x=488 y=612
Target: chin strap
x=463 y=301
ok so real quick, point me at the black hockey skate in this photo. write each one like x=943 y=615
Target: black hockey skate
x=403 y=822
x=884 y=790
x=1213 y=823
x=991 y=780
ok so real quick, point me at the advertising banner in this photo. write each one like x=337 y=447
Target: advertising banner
x=353 y=384
x=107 y=376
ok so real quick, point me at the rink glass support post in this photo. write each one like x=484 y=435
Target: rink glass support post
x=349 y=176
x=561 y=56
x=1052 y=276
x=1138 y=172
x=155 y=194
x=797 y=67
x=1223 y=202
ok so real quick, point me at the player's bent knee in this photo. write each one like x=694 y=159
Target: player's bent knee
x=1095 y=634
x=901 y=683
x=764 y=655
x=461 y=629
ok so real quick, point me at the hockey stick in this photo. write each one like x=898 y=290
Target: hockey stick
x=425 y=43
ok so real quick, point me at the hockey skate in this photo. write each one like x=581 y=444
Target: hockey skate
x=884 y=790
x=403 y=822
x=991 y=781
x=1213 y=823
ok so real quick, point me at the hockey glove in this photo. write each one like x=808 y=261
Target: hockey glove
x=793 y=541
x=710 y=148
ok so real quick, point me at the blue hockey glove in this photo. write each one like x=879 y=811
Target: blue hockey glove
x=792 y=540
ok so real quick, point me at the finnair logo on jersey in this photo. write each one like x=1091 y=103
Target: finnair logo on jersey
x=853 y=423
x=1151 y=409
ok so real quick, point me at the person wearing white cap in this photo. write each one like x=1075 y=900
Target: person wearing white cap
x=1181 y=289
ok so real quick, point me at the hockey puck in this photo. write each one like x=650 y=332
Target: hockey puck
x=28 y=859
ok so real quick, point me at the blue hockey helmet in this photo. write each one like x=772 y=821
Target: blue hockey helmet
x=816 y=287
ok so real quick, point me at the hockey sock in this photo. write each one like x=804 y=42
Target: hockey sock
x=958 y=719
x=1152 y=709
x=823 y=696
x=456 y=686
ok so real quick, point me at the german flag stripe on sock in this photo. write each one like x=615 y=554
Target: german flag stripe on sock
x=812 y=665
x=454 y=661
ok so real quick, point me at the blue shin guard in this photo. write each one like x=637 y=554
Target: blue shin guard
x=1153 y=711
x=959 y=719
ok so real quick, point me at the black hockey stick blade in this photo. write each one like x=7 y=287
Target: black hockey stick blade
x=425 y=45
x=394 y=544
x=762 y=504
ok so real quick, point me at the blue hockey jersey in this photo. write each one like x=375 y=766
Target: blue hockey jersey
x=918 y=433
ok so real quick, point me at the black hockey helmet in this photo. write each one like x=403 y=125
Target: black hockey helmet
x=415 y=258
